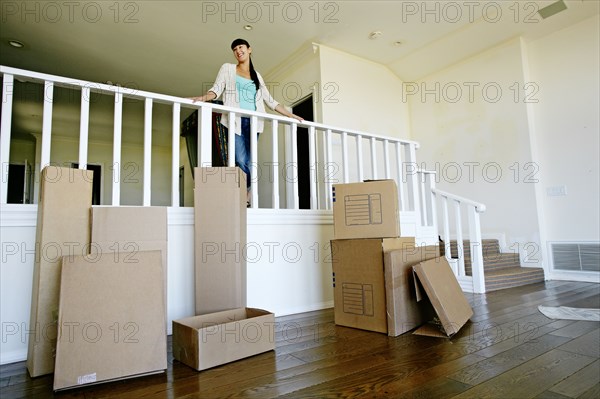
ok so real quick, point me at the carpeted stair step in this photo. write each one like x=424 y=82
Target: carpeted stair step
x=512 y=277
x=501 y=270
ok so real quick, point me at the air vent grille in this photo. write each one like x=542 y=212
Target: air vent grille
x=576 y=256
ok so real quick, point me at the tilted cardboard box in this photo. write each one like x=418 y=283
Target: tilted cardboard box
x=436 y=283
x=63 y=228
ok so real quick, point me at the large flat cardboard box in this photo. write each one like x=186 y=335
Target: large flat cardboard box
x=359 y=283
x=209 y=340
x=111 y=319
x=366 y=210
x=122 y=231
x=63 y=228
x=220 y=239
x=436 y=282
x=404 y=313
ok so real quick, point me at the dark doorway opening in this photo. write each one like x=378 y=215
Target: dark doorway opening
x=96 y=180
x=304 y=109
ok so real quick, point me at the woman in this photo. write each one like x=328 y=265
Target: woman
x=243 y=87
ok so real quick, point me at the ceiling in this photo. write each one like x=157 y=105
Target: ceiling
x=176 y=47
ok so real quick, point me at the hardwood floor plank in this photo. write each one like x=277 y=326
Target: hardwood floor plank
x=496 y=365
x=592 y=393
x=531 y=378
x=588 y=344
x=580 y=382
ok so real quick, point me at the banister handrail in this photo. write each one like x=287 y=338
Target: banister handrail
x=479 y=207
x=168 y=99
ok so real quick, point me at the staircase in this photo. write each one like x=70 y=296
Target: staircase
x=501 y=270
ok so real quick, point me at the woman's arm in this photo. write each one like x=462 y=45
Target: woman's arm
x=281 y=109
x=209 y=96
x=217 y=88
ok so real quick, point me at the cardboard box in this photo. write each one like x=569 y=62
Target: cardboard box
x=63 y=228
x=404 y=313
x=436 y=281
x=220 y=239
x=111 y=319
x=366 y=210
x=209 y=340
x=358 y=281
x=126 y=230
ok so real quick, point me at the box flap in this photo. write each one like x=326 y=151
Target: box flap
x=444 y=293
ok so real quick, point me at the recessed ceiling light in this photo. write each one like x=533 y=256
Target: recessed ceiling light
x=398 y=43
x=248 y=27
x=16 y=43
x=375 y=35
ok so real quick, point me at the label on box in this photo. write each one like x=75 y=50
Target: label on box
x=86 y=379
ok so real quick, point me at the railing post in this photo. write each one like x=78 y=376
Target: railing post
x=374 y=158
x=254 y=160
x=84 y=122
x=175 y=155
x=460 y=247
x=386 y=158
x=401 y=196
x=328 y=165
x=476 y=250
x=345 y=157
x=446 y=221
x=359 y=157
x=205 y=136
x=412 y=180
x=312 y=153
x=117 y=129
x=47 y=124
x=5 y=127
x=275 y=159
x=147 y=180
x=294 y=133
x=231 y=141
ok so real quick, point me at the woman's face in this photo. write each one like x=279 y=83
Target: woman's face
x=241 y=52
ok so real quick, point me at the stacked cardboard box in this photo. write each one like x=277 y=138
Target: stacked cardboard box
x=374 y=281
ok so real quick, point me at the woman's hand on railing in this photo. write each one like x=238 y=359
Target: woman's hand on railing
x=205 y=98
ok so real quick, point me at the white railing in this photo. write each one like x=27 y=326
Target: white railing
x=389 y=158
x=475 y=282
x=396 y=157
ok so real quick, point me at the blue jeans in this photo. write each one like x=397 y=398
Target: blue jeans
x=242 y=150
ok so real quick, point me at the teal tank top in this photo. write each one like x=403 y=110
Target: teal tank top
x=247 y=93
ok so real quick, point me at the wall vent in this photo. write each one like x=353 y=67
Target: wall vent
x=583 y=256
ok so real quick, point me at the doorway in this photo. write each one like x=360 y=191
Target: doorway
x=304 y=109
x=96 y=180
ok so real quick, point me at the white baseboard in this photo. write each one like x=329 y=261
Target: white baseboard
x=13 y=356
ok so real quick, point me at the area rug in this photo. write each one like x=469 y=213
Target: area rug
x=563 y=312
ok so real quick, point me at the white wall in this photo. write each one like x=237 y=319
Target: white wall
x=566 y=130
x=362 y=95
x=471 y=121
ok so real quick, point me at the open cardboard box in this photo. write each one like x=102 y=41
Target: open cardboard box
x=209 y=340
x=435 y=281
x=404 y=313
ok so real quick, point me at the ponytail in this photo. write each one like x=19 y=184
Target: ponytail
x=254 y=75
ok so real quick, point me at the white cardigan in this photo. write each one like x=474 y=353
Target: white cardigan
x=225 y=84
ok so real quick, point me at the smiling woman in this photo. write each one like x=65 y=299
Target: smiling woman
x=243 y=87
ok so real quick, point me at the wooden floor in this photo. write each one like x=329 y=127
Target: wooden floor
x=507 y=350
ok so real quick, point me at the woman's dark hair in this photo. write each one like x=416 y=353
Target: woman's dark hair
x=253 y=74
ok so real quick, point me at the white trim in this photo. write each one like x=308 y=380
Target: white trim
x=18 y=215
x=588 y=277
x=13 y=356
x=305 y=309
